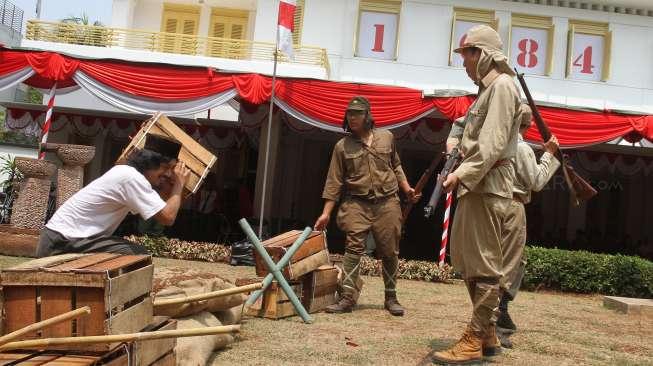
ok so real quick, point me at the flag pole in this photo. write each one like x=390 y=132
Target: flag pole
x=267 y=139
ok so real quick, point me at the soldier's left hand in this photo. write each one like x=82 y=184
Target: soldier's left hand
x=450 y=183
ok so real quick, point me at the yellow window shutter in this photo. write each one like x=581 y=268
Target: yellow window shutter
x=218 y=30
x=237 y=31
x=298 y=22
x=189 y=26
x=170 y=25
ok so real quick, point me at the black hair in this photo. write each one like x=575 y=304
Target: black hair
x=144 y=159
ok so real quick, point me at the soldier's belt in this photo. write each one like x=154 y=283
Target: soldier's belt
x=368 y=199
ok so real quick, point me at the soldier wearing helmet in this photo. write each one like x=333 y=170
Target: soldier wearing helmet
x=365 y=175
x=484 y=181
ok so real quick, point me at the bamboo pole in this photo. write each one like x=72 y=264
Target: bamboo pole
x=208 y=295
x=118 y=338
x=45 y=323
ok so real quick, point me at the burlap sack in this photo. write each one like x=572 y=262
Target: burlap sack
x=196 y=351
x=230 y=316
x=174 y=282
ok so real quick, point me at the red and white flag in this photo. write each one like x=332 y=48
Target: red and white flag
x=286 y=26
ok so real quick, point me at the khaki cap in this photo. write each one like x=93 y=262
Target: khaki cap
x=358 y=103
x=481 y=36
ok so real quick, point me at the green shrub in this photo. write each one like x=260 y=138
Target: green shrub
x=585 y=272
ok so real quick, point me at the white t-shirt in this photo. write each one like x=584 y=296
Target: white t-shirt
x=101 y=206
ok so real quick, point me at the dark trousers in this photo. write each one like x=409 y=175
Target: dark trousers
x=53 y=243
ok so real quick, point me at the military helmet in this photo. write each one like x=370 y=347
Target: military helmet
x=481 y=36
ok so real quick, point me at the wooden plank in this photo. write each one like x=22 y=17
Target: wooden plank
x=193 y=146
x=18 y=245
x=119 y=262
x=56 y=301
x=29 y=278
x=44 y=262
x=306 y=265
x=147 y=352
x=6 y=358
x=93 y=323
x=129 y=286
x=321 y=302
x=6 y=228
x=278 y=246
x=121 y=360
x=131 y=320
x=19 y=308
x=83 y=262
x=169 y=359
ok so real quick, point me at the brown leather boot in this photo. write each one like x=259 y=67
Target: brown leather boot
x=467 y=350
x=392 y=304
x=345 y=305
x=491 y=344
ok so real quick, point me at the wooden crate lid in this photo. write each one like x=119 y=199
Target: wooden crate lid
x=86 y=270
x=288 y=238
x=197 y=158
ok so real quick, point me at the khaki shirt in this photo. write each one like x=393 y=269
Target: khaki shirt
x=490 y=135
x=366 y=172
x=531 y=176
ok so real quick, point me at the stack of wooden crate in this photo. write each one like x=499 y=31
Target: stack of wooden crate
x=310 y=274
x=117 y=289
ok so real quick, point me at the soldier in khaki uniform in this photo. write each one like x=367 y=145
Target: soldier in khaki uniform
x=484 y=180
x=529 y=176
x=365 y=174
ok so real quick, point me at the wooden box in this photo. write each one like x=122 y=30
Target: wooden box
x=312 y=254
x=116 y=288
x=115 y=357
x=18 y=242
x=147 y=352
x=319 y=288
x=198 y=159
x=274 y=304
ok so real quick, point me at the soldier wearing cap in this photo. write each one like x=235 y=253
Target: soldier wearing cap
x=365 y=175
x=529 y=176
x=86 y=221
x=484 y=180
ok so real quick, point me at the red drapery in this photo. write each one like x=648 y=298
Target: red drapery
x=324 y=101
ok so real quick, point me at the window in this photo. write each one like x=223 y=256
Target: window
x=588 y=51
x=298 y=23
x=378 y=27
x=463 y=20
x=180 y=19
x=230 y=24
x=531 y=44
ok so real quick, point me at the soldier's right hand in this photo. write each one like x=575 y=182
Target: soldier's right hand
x=321 y=222
x=552 y=145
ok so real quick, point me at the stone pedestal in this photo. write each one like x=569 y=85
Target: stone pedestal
x=31 y=205
x=70 y=178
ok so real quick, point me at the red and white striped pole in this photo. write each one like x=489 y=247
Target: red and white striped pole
x=445 y=230
x=48 y=120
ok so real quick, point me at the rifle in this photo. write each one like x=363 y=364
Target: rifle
x=420 y=185
x=578 y=187
x=452 y=160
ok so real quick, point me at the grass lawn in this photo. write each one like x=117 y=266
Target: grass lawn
x=554 y=329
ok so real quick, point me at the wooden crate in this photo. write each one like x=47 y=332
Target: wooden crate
x=116 y=288
x=116 y=356
x=198 y=159
x=319 y=288
x=274 y=304
x=312 y=254
x=147 y=352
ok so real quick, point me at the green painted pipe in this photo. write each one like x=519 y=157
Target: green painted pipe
x=275 y=269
